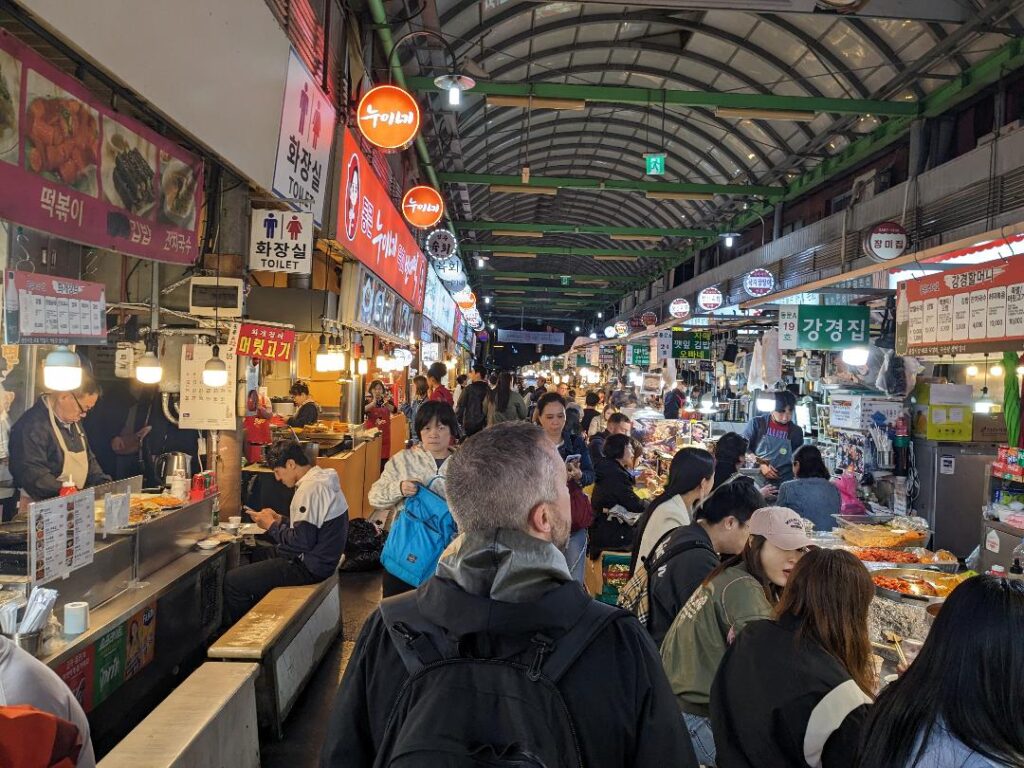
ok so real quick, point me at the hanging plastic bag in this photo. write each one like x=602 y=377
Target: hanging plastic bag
x=772 y=357
x=755 y=378
x=850 y=503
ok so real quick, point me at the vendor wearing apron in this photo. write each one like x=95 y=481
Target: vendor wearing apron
x=48 y=445
x=773 y=438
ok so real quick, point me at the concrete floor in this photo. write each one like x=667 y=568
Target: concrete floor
x=306 y=725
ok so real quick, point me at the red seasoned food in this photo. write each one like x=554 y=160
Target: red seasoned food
x=64 y=135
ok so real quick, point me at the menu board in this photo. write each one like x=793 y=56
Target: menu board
x=304 y=143
x=380 y=308
x=203 y=407
x=61 y=535
x=973 y=309
x=72 y=167
x=367 y=224
x=691 y=345
x=640 y=355
x=42 y=309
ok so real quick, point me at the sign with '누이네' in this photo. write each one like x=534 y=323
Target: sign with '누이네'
x=281 y=241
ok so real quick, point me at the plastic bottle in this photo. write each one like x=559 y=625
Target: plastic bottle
x=67 y=488
x=998 y=571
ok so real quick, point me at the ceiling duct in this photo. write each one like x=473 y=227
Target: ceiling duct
x=948 y=11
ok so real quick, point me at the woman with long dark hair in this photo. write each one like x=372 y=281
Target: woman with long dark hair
x=689 y=481
x=961 y=703
x=730 y=452
x=795 y=690
x=504 y=403
x=811 y=492
x=743 y=589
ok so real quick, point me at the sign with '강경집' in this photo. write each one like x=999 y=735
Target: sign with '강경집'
x=370 y=227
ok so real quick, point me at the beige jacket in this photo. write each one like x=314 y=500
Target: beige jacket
x=414 y=464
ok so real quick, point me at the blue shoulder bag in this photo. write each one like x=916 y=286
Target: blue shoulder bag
x=418 y=536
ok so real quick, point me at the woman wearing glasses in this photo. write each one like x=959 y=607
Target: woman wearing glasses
x=48 y=446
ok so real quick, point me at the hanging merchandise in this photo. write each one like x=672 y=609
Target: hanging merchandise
x=772 y=357
x=388 y=117
x=423 y=207
x=755 y=377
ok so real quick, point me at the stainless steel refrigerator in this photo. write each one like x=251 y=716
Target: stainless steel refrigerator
x=952 y=479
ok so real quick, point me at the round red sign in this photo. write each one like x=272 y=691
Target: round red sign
x=679 y=308
x=423 y=207
x=759 y=282
x=710 y=299
x=388 y=117
x=886 y=241
x=649 y=319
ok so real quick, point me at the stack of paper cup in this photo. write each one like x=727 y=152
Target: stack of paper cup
x=76 y=618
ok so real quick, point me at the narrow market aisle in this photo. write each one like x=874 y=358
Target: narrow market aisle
x=307 y=725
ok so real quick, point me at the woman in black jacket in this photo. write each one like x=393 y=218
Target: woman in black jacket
x=614 y=488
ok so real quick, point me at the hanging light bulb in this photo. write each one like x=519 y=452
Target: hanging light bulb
x=765 y=402
x=323 y=355
x=379 y=362
x=600 y=315
x=856 y=356
x=148 y=369
x=215 y=372
x=707 y=403
x=996 y=370
x=363 y=366
x=984 y=404
x=729 y=241
x=62 y=370
x=480 y=262
x=972 y=371
x=1020 y=370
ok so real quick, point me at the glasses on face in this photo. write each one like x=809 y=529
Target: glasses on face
x=81 y=408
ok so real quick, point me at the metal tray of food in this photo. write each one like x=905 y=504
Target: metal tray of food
x=923 y=583
x=867 y=519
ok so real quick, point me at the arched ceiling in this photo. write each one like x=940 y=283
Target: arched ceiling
x=667 y=46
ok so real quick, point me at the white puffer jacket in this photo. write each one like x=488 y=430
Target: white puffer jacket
x=414 y=464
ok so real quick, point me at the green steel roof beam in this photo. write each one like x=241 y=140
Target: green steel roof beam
x=619 y=185
x=573 y=290
x=678 y=97
x=490 y=276
x=558 y=250
x=577 y=229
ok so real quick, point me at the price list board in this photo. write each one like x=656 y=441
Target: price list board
x=61 y=535
x=974 y=309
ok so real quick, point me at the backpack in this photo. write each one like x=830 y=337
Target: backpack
x=418 y=536
x=506 y=714
x=32 y=738
x=635 y=597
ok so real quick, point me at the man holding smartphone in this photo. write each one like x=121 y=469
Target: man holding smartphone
x=308 y=543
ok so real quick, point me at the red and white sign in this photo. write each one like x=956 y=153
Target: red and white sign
x=371 y=228
x=972 y=309
x=74 y=168
x=759 y=282
x=388 y=117
x=42 y=309
x=265 y=342
x=423 y=207
x=621 y=329
x=679 y=309
x=649 y=319
x=710 y=299
x=886 y=241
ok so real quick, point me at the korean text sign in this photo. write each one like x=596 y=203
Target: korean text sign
x=265 y=342
x=978 y=308
x=373 y=230
x=691 y=345
x=42 y=309
x=281 y=241
x=304 y=144
x=832 y=327
x=73 y=168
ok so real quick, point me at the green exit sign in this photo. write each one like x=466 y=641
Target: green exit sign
x=566 y=279
x=655 y=164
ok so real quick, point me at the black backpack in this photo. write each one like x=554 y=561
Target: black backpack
x=459 y=712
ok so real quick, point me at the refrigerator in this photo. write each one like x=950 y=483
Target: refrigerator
x=952 y=479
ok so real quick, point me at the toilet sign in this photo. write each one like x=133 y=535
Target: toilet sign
x=281 y=241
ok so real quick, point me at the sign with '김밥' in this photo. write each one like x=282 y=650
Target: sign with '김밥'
x=304 y=143
x=281 y=241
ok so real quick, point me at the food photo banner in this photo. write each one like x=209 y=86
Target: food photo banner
x=73 y=168
x=973 y=309
x=368 y=225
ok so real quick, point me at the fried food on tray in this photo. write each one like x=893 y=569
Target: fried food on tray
x=879 y=555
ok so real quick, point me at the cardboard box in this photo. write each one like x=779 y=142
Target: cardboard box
x=989 y=428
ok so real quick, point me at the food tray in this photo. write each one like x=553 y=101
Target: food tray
x=883 y=537
x=931 y=576
x=868 y=519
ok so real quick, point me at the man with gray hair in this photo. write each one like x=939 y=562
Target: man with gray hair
x=501 y=658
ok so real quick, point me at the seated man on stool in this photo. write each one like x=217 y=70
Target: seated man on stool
x=309 y=542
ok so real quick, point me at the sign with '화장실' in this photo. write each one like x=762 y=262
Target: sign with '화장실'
x=72 y=167
x=304 y=143
x=42 y=309
x=824 y=328
x=281 y=241
x=978 y=308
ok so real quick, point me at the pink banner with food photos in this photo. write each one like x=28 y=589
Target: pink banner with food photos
x=73 y=168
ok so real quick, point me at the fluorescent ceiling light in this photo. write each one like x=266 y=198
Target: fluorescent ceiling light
x=686 y=196
x=512 y=233
x=639 y=238
x=512 y=279
x=512 y=189
x=766 y=114
x=508 y=255
x=615 y=258
x=534 y=102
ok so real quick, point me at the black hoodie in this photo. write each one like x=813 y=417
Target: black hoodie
x=672 y=585
x=494 y=591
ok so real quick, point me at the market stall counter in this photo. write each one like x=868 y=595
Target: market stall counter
x=154 y=598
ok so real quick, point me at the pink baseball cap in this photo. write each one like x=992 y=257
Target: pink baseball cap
x=781 y=526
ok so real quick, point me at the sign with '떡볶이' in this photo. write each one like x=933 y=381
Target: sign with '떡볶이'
x=304 y=143
x=281 y=241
